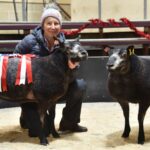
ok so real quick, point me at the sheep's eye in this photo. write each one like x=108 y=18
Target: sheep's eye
x=124 y=55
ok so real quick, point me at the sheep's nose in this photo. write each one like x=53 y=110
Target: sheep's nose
x=84 y=54
x=111 y=62
x=109 y=65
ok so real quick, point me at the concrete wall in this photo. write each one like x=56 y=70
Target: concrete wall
x=84 y=10
x=80 y=10
x=35 y=8
x=94 y=72
x=7 y=10
x=132 y=9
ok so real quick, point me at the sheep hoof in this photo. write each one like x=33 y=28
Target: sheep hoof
x=44 y=142
x=126 y=132
x=141 y=141
x=56 y=135
x=125 y=135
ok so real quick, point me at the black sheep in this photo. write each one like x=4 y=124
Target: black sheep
x=29 y=117
x=51 y=77
x=129 y=81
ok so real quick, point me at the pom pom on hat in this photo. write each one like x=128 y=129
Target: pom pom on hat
x=51 y=10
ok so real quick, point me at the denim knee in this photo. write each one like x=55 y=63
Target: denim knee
x=81 y=84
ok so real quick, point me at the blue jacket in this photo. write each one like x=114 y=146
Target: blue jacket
x=34 y=43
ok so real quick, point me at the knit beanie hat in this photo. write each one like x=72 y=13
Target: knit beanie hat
x=51 y=10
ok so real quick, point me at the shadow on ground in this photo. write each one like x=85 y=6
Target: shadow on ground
x=15 y=134
x=115 y=139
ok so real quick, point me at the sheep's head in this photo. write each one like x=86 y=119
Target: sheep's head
x=119 y=60
x=75 y=51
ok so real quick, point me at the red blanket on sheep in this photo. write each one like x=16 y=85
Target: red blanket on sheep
x=24 y=69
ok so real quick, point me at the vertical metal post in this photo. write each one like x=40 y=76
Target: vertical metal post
x=15 y=10
x=99 y=9
x=24 y=10
x=100 y=16
x=145 y=9
x=54 y=1
x=146 y=30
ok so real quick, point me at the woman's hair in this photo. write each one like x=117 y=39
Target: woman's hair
x=51 y=10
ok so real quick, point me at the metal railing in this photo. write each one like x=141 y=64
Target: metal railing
x=27 y=27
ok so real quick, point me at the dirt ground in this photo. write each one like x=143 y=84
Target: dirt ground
x=105 y=125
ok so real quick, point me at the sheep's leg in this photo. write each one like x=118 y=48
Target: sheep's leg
x=125 y=107
x=42 y=111
x=23 y=123
x=51 y=121
x=141 y=115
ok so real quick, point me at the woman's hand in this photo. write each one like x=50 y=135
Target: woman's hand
x=56 y=42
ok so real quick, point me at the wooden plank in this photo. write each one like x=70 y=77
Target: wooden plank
x=65 y=25
x=114 y=41
x=89 y=42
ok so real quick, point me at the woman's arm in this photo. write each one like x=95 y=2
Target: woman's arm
x=26 y=45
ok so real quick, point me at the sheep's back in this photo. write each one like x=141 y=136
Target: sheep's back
x=133 y=86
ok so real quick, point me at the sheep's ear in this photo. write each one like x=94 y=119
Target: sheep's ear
x=130 y=50
x=130 y=47
x=107 y=49
x=67 y=45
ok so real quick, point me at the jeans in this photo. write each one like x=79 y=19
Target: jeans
x=74 y=97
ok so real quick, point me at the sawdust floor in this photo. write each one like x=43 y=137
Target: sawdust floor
x=105 y=125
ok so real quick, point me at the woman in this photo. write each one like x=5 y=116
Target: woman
x=42 y=42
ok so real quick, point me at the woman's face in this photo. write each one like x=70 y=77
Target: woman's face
x=51 y=27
